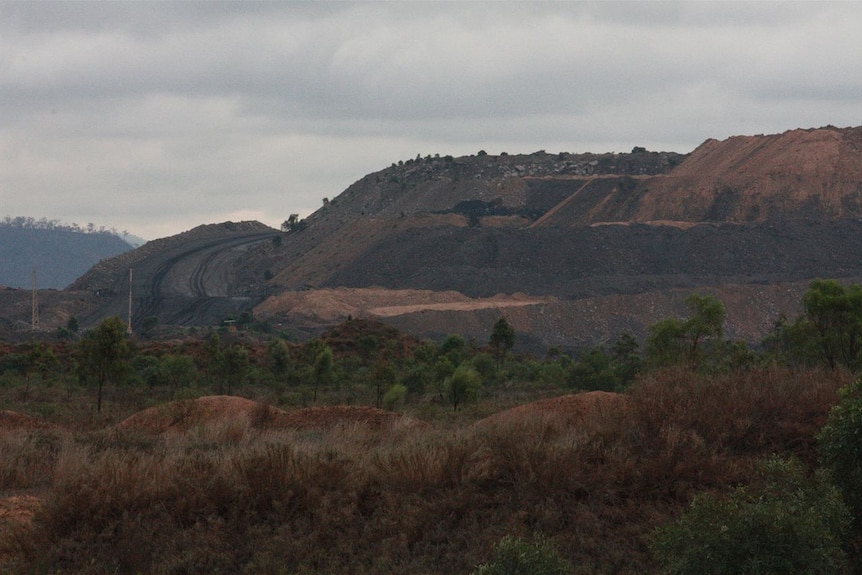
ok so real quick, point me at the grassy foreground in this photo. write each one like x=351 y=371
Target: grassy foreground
x=244 y=497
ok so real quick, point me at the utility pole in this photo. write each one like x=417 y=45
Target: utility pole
x=34 y=319
x=129 y=328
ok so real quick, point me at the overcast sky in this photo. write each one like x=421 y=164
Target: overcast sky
x=155 y=117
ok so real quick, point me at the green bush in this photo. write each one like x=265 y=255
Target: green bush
x=515 y=556
x=394 y=397
x=486 y=366
x=463 y=385
x=787 y=523
x=840 y=443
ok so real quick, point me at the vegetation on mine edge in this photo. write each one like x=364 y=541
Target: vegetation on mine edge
x=744 y=456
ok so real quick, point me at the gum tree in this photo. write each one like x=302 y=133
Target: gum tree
x=502 y=339
x=103 y=355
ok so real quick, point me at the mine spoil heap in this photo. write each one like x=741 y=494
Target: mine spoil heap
x=587 y=245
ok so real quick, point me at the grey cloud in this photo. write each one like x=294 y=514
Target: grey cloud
x=267 y=107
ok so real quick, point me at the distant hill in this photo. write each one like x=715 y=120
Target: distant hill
x=59 y=253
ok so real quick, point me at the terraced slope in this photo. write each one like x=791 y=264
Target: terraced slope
x=572 y=248
x=733 y=216
x=191 y=279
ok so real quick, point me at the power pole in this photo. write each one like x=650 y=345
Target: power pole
x=34 y=318
x=129 y=328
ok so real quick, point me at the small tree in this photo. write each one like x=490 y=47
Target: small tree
x=383 y=376
x=40 y=359
x=463 y=385
x=502 y=339
x=394 y=397
x=293 y=224
x=840 y=443
x=178 y=371
x=454 y=348
x=672 y=341
x=278 y=359
x=665 y=343
x=232 y=366
x=705 y=323
x=102 y=354
x=209 y=365
x=793 y=344
x=835 y=313
x=323 y=368
x=593 y=371
x=626 y=358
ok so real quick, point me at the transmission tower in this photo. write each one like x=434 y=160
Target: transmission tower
x=129 y=328
x=34 y=317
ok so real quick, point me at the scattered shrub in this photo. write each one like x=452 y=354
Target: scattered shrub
x=463 y=385
x=788 y=523
x=515 y=556
x=394 y=397
x=840 y=443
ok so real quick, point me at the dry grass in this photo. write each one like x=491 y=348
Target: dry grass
x=244 y=495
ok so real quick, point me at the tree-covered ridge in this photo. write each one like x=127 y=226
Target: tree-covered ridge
x=31 y=223
x=60 y=253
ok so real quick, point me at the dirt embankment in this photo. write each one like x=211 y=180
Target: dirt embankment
x=797 y=174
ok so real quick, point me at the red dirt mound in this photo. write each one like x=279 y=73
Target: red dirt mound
x=14 y=421
x=179 y=416
x=327 y=417
x=569 y=409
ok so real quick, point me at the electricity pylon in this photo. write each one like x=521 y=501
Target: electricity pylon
x=34 y=312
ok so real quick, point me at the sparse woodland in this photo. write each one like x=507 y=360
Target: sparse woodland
x=467 y=457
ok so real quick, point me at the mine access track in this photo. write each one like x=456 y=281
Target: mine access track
x=190 y=284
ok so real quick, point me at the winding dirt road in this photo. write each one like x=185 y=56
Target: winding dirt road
x=191 y=284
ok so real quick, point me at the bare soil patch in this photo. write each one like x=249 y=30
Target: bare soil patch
x=335 y=304
x=496 y=302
